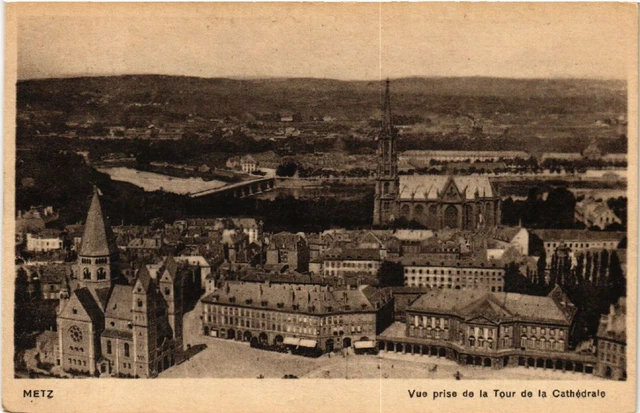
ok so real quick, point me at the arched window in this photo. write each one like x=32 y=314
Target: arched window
x=108 y=346
x=86 y=274
x=102 y=274
x=167 y=291
x=126 y=349
x=386 y=188
x=139 y=302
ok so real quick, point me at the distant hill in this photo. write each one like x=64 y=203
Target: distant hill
x=107 y=97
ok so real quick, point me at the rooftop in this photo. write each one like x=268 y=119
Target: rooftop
x=425 y=187
x=495 y=306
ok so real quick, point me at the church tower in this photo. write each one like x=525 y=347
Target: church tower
x=98 y=255
x=387 y=171
x=171 y=283
x=145 y=324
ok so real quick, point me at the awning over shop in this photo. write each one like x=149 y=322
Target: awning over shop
x=292 y=341
x=364 y=344
x=308 y=343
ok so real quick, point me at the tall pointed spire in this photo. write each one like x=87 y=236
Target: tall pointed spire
x=97 y=239
x=387 y=124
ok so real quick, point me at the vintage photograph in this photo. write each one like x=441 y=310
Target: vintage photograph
x=323 y=191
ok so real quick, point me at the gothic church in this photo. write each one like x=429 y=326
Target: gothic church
x=435 y=201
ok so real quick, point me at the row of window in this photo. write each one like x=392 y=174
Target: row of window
x=77 y=362
x=449 y=286
x=449 y=279
x=611 y=347
x=102 y=274
x=277 y=326
x=341 y=264
x=541 y=344
x=529 y=330
x=450 y=272
x=612 y=358
x=110 y=348
x=284 y=317
x=603 y=244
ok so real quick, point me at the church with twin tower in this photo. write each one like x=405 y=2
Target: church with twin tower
x=434 y=201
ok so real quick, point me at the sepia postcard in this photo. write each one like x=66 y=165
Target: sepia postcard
x=317 y=207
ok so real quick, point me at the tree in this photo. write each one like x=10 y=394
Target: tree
x=617 y=282
x=287 y=169
x=579 y=273
x=553 y=273
x=587 y=268
x=542 y=267
x=391 y=274
x=514 y=281
x=594 y=273
x=604 y=266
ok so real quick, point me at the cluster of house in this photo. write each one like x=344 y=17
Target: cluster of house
x=246 y=163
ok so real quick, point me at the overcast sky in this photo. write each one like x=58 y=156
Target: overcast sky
x=343 y=41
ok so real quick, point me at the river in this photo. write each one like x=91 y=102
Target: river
x=150 y=181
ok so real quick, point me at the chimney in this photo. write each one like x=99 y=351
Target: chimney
x=610 y=316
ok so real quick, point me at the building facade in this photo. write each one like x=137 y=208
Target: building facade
x=611 y=343
x=493 y=330
x=455 y=274
x=339 y=262
x=276 y=315
x=577 y=241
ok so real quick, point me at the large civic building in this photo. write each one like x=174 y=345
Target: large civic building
x=435 y=201
x=475 y=327
x=268 y=314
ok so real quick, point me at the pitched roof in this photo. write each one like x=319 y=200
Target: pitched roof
x=566 y=235
x=101 y=295
x=121 y=334
x=89 y=304
x=144 y=278
x=425 y=187
x=120 y=302
x=276 y=297
x=499 y=306
x=98 y=240
x=170 y=267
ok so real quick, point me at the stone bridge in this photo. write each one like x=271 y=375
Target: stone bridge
x=239 y=189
